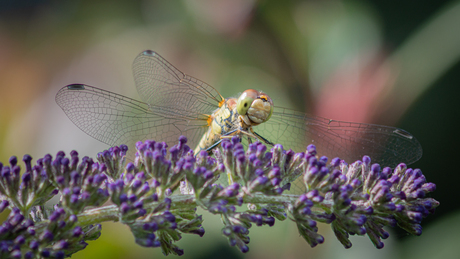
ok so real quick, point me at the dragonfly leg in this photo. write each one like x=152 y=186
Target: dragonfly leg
x=214 y=145
x=238 y=132
x=261 y=138
x=250 y=135
x=226 y=136
x=230 y=134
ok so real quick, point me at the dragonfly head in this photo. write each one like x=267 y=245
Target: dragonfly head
x=257 y=106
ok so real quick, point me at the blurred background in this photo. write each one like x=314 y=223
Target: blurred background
x=376 y=61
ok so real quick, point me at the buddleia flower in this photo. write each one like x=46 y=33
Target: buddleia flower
x=157 y=195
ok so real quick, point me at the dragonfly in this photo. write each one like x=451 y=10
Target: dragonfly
x=174 y=103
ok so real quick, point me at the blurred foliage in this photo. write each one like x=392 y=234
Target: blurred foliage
x=394 y=63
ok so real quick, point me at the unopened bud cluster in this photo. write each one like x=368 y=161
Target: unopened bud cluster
x=158 y=193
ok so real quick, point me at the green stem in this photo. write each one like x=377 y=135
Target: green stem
x=262 y=198
x=183 y=201
x=110 y=212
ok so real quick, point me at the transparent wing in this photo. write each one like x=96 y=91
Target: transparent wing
x=161 y=84
x=116 y=119
x=350 y=141
x=174 y=104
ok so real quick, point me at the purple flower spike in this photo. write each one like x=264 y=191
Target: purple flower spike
x=188 y=166
x=141 y=212
x=252 y=158
x=19 y=240
x=311 y=149
x=129 y=167
x=312 y=161
x=16 y=254
x=45 y=253
x=203 y=153
x=65 y=162
x=335 y=162
x=6 y=172
x=226 y=145
x=132 y=198
x=77 y=231
x=278 y=147
x=289 y=155
x=124 y=208
x=261 y=180
x=54 y=216
x=34 y=245
x=16 y=219
x=386 y=172
x=182 y=140
x=76 y=190
x=124 y=148
x=73 y=198
x=235 y=186
x=61 y=245
x=13 y=161
x=169 y=216
x=3 y=205
x=114 y=150
x=235 y=140
x=47 y=235
x=238 y=146
x=261 y=149
x=60 y=210
x=26 y=177
x=136 y=184
x=16 y=170
x=275 y=172
x=360 y=198
x=240 y=157
x=375 y=168
x=138 y=204
x=27 y=160
x=208 y=175
x=150 y=144
x=85 y=196
x=59 y=255
x=276 y=181
x=257 y=163
x=259 y=172
x=244 y=249
x=429 y=187
x=366 y=160
x=174 y=151
x=252 y=148
x=159 y=146
x=323 y=159
x=123 y=197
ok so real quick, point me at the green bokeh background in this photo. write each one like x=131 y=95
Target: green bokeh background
x=384 y=62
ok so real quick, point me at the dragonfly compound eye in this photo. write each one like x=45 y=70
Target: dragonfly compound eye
x=245 y=101
x=261 y=109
